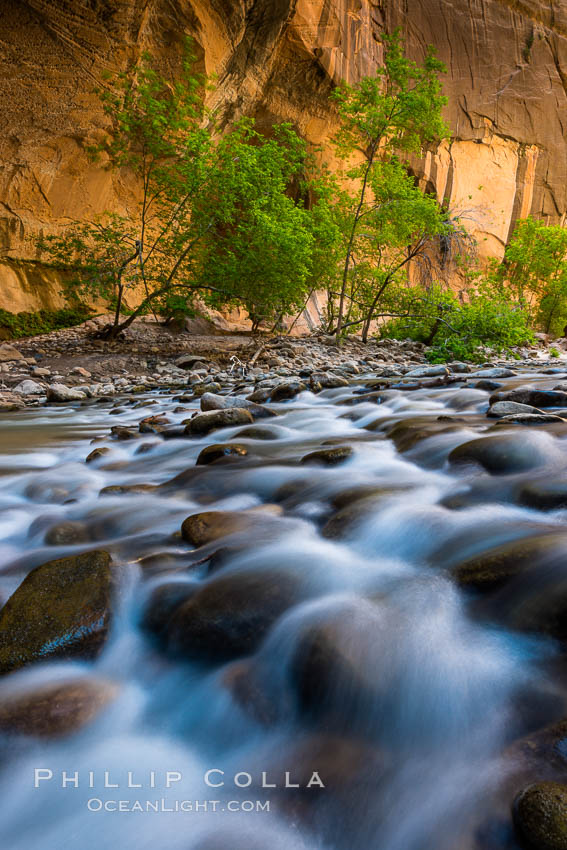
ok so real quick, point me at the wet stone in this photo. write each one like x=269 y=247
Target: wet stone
x=535 y=398
x=56 y=709
x=231 y=615
x=96 y=454
x=287 y=390
x=329 y=457
x=210 y=401
x=203 y=423
x=67 y=534
x=540 y=816
x=501 y=454
x=221 y=451
x=62 y=609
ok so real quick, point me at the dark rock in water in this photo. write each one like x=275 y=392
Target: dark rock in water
x=218 y=451
x=67 y=534
x=210 y=401
x=346 y=498
x=231 y=615
x=501 y=453
x=62 y=609
x=258 y=432
x=209 y=526
x=119 y=489
x=260 y=396
x=493 y=569
x=530 y=419
x=326 y=381
x=540 y=816
x=96 y=454
x=122 y=433
x=162 y=604
x=205 y=422
x=535 y=398
x=546 y=495
x=241 y=681
x=287 y=390
x=153 y=425
x=487 y=385
x=328 y=457
x=55 y=709
x=345 y=520
x=509 y=408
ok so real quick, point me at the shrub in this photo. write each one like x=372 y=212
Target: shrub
x=455 y=330
x=44 y=321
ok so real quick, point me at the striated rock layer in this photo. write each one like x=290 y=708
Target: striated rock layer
x=277 y=60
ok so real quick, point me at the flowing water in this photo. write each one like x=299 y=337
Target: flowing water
x=406 y=708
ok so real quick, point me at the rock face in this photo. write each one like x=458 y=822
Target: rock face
x=277 y=60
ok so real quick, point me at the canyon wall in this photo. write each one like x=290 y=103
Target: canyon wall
x=277 y=60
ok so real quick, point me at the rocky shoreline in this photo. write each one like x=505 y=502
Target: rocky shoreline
x=72 y=365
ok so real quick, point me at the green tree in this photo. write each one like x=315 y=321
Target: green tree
x=214 y=219
x=382 y=119
x=535 y=271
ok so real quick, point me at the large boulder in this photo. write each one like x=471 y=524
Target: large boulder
x=211 y=401
x=55 y=709
x=509 y=408
x=231 y=615
x=221 y=451
x=28 y=387
x=535 y=398
x=540 y=816
x=502 y=454
x=62 y=609
x=8 y=353
x=287 y=390
x=203 y=423
x=328 y=457
x=60 y=393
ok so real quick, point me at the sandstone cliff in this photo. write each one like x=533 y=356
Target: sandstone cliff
x=277 y=59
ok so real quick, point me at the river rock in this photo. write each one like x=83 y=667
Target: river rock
x=8 y=353
x=493 y=372
x=210 y=401
x=208 y=526
x=97 y=453
x=546 y=495
x=287 y=390
x=435 y=371
x=501 y=454
x=329 y=457
x=203 y=423
x=259 y=396
x=163 y=601
x=28 y=387
x=509 y=408
x=67 y=533
x=540 y=816
x=61 y=393
x=153 y=425
x=492 y=569
x=55 y=709
x=535 y=398
x=530 y=419
x=62 y=609
x=258 y=432
x=231 y=615
x=219 y=451
x=326 y=381
x=120 y=432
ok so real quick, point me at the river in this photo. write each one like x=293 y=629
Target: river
x=372 y=670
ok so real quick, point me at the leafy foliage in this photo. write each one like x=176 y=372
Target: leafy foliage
x=216 y=218
x=535 y=270
x=458 y=330
x=25 y=324
x=388 y=222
